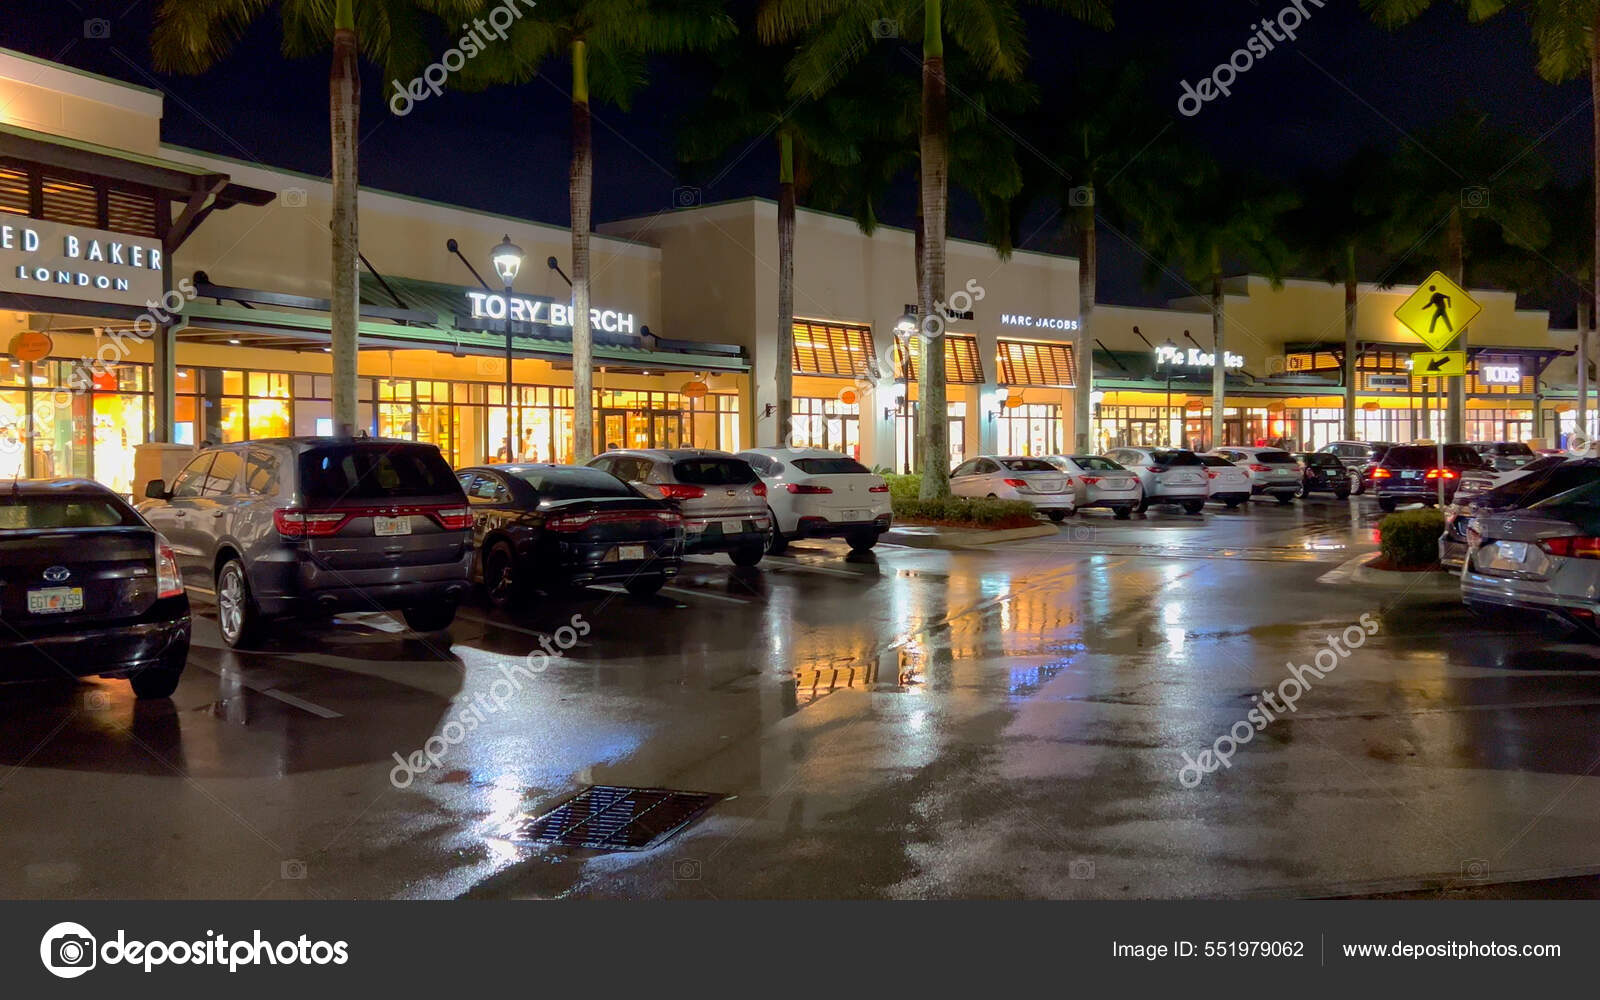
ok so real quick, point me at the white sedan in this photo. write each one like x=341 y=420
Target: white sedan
x=820 y=494
x=1014 y=477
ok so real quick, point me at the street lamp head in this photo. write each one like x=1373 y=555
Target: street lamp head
x=906 y=324
x=507 y=259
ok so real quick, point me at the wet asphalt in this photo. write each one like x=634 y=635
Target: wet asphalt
x=1006 y=722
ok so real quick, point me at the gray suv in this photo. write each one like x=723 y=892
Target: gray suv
x=295 y=526
x=722 y=500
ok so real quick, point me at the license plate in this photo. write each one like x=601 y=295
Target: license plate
x=732 y=527
x=385 y=527
x=1508 y=555
x=855 y=515
x=630 y=551
x=1409 y=474
x=1118 y=484
x=55 y=600
x=1185 y=477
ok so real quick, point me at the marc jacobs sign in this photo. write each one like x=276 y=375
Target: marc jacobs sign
x=52 y=258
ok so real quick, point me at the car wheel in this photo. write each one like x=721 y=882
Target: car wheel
x=644 y=586
x=776 y=543
x=1302 y=492
x=1386 y=505
x=237 y=617
x=1193 y=506
x=1358 y=484
x=1233 y=504
x=1143 y=504
x=1056 y=515
x=1284 y=498
x=862 y=541
x=155 y=682
x=435 y=618
x=748 y=555
x=500 y=578
x=1122 y=513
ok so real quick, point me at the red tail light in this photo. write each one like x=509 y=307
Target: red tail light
x=169 y=583
x=1089 y=480
x=1381 y=474
x=1015 y=482
x=1573 y=546
x=293 y=522
x=877 y=489
x=578 y=522
x=668 y=516
x=453 y=518
x=674 y=491
x=800 y=488
x=1258 y=467
x=1157 y=468
x=760 y=489
x=1441 y=474
x=569 y=523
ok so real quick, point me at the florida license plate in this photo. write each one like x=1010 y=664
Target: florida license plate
x=55 y=600
x=732 y=527
x=855 y=515
x=385 y=527
x=626 y=552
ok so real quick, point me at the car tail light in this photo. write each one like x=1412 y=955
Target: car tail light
x=1572 y=546
x=668 y=516
x=877 y=489
x=293 y=522
x=1156 y=468
x=169 y=582
x=453 y=518
x=1258 y=467
x=760 y=489
x=1441 y=474
x=801 y=488
x=1210 y=474
x=1015 y=482
x=675 y=491
x=1089 y=480
x=1381 y=474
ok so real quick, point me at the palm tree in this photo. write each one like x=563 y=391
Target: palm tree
x=991 y=31
x=606 y=43
x=1218 y=218
x=191 y=36
x=1333 y=226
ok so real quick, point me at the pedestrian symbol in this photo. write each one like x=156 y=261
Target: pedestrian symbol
x=1437 y=311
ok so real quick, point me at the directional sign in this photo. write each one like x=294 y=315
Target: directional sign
x=1447 y=363
x=1437 y=311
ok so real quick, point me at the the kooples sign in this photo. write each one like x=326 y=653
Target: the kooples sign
x=52 y=258
x=1195 y=358
x=485 y=305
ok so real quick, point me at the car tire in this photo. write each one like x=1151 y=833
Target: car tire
x=1144 y=503
x=1232 y=504
x=155 y=682
x=1284 y=498
x=1193 y=506
x=1302 y=492
x=776 y=542
x=645 y=586
x=862 y=541
x=1358 y=483
x=434 y=618
x=500 y=580
x=237 y=617
x=1122 y=513
x=1386 y=505
x=1056 y=515
x=748 y=555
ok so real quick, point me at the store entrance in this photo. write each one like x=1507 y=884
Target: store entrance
x=639 y=429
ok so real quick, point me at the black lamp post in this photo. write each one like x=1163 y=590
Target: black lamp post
x=507 y=258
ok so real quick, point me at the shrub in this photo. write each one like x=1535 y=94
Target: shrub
x=903 y=486
x=1410 y=538
x=969 y=512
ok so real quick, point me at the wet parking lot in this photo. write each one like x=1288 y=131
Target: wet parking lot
x=1006 y=721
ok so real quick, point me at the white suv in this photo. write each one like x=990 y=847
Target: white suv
x=1273 y=471
x=1166 y=475
x=820 y=494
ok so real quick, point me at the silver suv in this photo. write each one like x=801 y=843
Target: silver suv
x=722 y=500
x=318 y=525
x=1273 y=471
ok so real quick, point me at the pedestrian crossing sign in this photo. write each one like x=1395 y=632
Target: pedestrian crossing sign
x=1437 y=311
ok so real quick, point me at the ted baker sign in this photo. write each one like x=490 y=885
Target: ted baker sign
x=50 y=258
x=486 y=305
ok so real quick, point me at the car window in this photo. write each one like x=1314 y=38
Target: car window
x=1455 y=454
x=1274 y=458
x=1174 y=457
x=193 y=477
x=261 y=469
x=1094 y=463
x=488 y=488
x=20 y=512
x=1028 y=465
x=1587 y=495
x=986 y=467
x=341 y=472
x=223 y=474
x=573 y=484
x=964 y=469
x=1214 y=461
x=713 y=472
x=1411 y=457
x=1512 y=448
x=832 y=467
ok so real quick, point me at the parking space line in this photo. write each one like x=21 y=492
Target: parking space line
x=803 y=567
x=272 y=692
x=505 y=625
x=687 y=592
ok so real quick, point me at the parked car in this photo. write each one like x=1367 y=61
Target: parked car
x=1166 y=476
x=722 y=500
x=1228 y=484
x=1273 y=471
x=87 y=588
x=1014 y=477
x=317 y=525
x=1530 y=484
x=1543 y=559
x=538 y=526
x=1360 y=458
x=1411 y=473
x=1321 y=472
x=813 y=493
x=1478 y=481
x=1504 y=455
x=1099 y=482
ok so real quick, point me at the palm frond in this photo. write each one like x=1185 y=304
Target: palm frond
x=190 y=36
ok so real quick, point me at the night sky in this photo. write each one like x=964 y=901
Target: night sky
x=1309 y=103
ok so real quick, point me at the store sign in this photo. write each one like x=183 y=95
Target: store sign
x=546 y=312
x=52 y=258
x=1196 y=358
x=1389 y=381
x=31 y=345
x=1500 y=373
x=1038 y=322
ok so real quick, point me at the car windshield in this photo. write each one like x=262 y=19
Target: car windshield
x=31 y=513
x=1028 y=465
x=573 y=484
x=1540 y=485
x=713 y=471
x=1412 y=457
x=1586 y=496
x=1166 y=457
x=375 y=472
x=1510 y=449
x=1324 y=461
x=1216 y=461
x=1274 y=458
x=1094 y=463
x=831 y=467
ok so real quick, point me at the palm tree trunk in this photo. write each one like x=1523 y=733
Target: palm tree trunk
x=1219 y=370
x=1456 y=415
x=783 y=376
x=1594 y=262
x=935 y=163
x=1349 y=345
x=344 y=109
x=580 y=190
x=1083 y=356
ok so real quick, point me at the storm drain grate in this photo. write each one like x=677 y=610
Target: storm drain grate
x=616 y=818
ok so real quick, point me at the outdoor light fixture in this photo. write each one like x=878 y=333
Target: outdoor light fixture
x=906 y=324
x=507 y=258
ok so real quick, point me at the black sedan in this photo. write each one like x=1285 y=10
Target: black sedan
x=1321 y=472
x=554 y=526
x=87 y=588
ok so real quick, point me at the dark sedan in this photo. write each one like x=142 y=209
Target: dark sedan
x=1321 y=472
x=1543 y=482
x=553 y=526
x=87 y=588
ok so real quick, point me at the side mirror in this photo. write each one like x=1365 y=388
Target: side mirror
x=156 y=489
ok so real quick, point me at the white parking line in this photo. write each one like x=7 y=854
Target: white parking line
x=688 y=592
x=804 y=567
x=506 y=625
x=271 y=692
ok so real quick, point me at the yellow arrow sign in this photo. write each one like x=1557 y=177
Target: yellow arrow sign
x=1446 y=363
x=1437 y=311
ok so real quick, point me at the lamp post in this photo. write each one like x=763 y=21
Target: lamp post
x=507 y=258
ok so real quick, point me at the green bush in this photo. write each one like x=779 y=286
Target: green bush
x=1410 y=538
x=903 y=486
x=976 y=512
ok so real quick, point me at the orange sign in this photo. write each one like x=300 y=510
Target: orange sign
x=695 y=390
x=848 y=396
x=31 y=346
x=1012 y=402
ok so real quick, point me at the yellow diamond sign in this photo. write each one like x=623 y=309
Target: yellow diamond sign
x=1437 y=311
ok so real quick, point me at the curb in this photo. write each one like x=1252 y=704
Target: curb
x=962 y=538
x=1440 y=583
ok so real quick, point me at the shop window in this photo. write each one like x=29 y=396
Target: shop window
x=962 y=365
x=827 y=423
x=1031 y=429
x=1024 y=363
x=834 y=349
